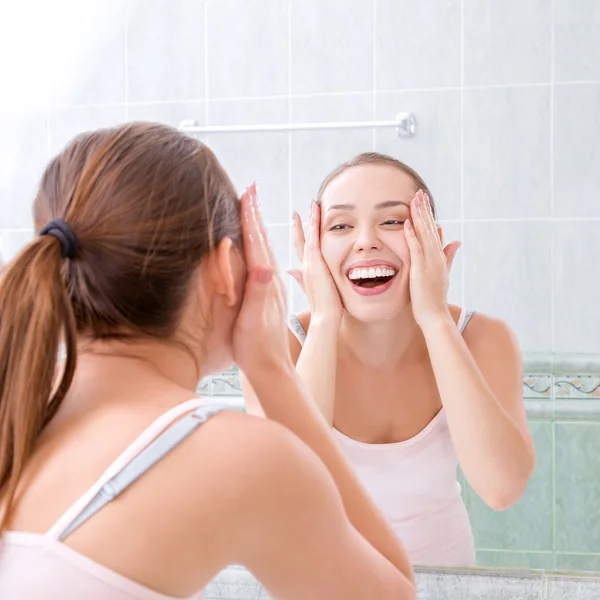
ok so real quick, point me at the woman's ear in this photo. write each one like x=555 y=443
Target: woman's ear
x=222 y=272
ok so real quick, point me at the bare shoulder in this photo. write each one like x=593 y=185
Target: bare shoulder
x=493 y=344
x=238 y=456
x=483 y=330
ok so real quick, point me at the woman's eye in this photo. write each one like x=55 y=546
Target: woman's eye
x=393 y=222
x=338 y=227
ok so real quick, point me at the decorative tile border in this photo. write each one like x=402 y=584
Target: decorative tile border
x=547 y=396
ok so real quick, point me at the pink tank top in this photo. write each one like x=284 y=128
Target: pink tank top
x=35 y=566
x=414 y=483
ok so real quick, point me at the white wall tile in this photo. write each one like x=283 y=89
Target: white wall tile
x=332 y=46
x=507 y=42
x=577 y=150
x=247 y=48
x=577 y=287
x=169 y=113
x=261 y=157
x=98 y=75
x=417 y=44
x=435 y=150
x=23 y=158
x=507 y=152
x=316 y=153
x=165 y=51
x=451 y=232
x=576 y=40
x=12 y=242
x=508 y=275
x=65 y=124
x=279 y=240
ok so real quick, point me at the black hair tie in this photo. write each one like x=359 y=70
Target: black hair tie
x=68 y=240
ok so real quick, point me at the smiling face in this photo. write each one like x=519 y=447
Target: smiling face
x=362 y=239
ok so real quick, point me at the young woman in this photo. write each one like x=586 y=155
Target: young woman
x=412 y=386
x=116 y=482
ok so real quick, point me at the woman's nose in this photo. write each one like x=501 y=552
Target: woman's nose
x=366 y=240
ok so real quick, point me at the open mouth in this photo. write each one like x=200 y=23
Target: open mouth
x=371 y=277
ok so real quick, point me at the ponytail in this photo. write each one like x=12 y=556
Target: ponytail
x=35 y=315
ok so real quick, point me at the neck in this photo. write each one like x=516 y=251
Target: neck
x=167 y=360
x=383 y=344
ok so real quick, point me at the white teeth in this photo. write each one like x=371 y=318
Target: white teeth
x=371 y=273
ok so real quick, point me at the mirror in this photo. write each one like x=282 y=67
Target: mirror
x=506 y=106
x=506 y=100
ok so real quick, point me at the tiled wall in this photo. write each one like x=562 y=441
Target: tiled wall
x=507 y=97
x=554 y=525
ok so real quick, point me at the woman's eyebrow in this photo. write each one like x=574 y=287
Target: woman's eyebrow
x=381 y=205
x=341 y=207
x=391 y=204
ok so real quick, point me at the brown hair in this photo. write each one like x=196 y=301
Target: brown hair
x=146 y=204
x=375 y=158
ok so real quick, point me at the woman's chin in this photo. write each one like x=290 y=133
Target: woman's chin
x=376 y=313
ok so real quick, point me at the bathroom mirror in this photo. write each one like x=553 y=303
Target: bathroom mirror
x=495 y=104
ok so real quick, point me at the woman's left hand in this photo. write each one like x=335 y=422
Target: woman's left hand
x=430 y=264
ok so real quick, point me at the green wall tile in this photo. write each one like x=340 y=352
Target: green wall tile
x=577 y=487
x=526 y=526
x=578 y=562
x=517 y=560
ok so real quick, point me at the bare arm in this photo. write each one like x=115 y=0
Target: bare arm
x=480 y=387
x=284 y=399
x=294 y=535
x=317 y=364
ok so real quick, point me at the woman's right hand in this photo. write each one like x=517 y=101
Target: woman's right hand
x=260 y=339
x=315 y=278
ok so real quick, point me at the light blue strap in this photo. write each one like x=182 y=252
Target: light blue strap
x=138 y=465
x=468 y=316
x=297 y=328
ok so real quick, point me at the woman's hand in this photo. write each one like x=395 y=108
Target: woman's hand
x=315 y=278
x=260 y=338
x=430 y=264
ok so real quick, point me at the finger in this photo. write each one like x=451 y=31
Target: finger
x=314 y=224
x=430 y=221
x=414 y=246
x=450 y=252
x=296 y=275
x=429 y=238
x=418 y=225
x=260 y=250
x=299 y=240
x=250 y=232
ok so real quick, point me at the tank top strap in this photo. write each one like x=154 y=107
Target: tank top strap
x=465 y=316
x=296 y=328
x=155 y=442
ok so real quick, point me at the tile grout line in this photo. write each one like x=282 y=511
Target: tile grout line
x=463 y=274
x=319 y=95
x=552 y=206
x=374 y=74
x=126 y=68
x=206 y=77
x=552 y=271
x=289 y=286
